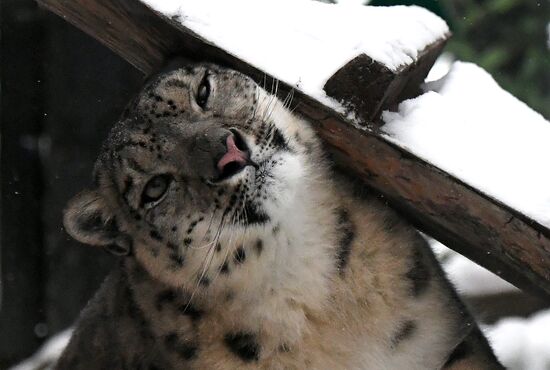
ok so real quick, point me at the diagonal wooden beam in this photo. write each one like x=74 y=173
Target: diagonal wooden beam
x=463 y=218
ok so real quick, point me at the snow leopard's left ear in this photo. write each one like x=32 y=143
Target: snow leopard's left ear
x=89 y=220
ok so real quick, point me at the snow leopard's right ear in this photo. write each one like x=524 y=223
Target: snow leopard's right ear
x=88 y=219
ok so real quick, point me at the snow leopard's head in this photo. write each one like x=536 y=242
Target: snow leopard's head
x=202 y=151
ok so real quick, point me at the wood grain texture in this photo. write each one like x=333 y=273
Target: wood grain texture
x=486 y=231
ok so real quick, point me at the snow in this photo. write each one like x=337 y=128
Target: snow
x=48 y=354
x=303 y=42
x=466 y=125
x=352 y=2
x=469 y=278
x=522 y=344
x=441 y=67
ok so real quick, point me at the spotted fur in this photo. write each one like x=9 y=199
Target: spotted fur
x=276 y=265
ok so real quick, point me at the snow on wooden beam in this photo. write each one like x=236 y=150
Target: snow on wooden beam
x=487 y=231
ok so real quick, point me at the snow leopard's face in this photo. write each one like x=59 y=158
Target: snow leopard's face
x=201 y=150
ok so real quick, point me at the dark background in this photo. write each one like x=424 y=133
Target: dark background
x=61 y=92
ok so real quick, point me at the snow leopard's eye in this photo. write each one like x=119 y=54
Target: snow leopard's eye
x=155 y=188
x=203 y=92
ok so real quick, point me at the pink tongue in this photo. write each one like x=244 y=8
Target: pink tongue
x=233 y=154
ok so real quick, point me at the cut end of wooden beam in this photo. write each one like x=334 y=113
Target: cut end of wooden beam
x=368 y=87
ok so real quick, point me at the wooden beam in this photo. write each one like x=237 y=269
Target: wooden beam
x=463 y=218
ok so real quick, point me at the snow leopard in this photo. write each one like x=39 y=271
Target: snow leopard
x=241 y=246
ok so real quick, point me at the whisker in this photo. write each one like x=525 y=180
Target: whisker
x=256 y=99
x=264 y=81
x=204 y=269
x=209 y=225
x=288 y=100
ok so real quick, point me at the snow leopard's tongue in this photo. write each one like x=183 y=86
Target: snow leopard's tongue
x=234 y=157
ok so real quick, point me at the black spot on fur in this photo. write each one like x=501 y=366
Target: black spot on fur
x=259 y=246
x=254 y=216
x=204 y=281
x=224 y=269
x=185 y=350
x=461 y=351
x=347 y=234
x=187 y=241
x=278 y=140
x=244 y=345
x=191 y=311
x=419 y=274
x=218 y=247
x=167 y=296
x=177 y=258
x=406 y=330
x=154 y=234
x=240 y=255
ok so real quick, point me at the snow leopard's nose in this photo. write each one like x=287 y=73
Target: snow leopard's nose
x=217 y=153
x=235 y=158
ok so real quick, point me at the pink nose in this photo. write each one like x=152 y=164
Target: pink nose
x=233 y=155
